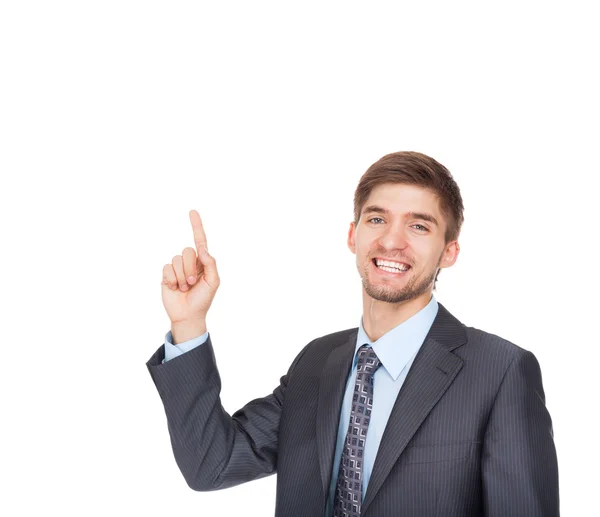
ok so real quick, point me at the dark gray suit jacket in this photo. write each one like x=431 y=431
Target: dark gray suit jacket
x=469 y=434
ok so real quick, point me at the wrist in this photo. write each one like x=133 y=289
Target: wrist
x=186 y=330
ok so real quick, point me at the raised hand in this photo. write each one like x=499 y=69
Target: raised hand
x=190 y=281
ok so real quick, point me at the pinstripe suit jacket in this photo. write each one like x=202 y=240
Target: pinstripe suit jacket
x=469 y=434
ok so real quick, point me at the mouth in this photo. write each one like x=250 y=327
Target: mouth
x=390 y=268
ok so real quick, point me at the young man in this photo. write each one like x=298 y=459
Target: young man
x=412 y=413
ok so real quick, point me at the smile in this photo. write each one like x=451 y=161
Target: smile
x=390 y=267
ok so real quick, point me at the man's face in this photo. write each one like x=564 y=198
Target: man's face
x=402 y=224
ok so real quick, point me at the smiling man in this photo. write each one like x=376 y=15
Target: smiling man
x=401 y=241
x=411 y=413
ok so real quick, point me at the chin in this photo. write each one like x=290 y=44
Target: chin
x=385 y=292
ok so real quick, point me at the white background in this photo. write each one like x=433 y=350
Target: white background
x=118 y=117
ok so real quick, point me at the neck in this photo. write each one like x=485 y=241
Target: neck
x=381 y=317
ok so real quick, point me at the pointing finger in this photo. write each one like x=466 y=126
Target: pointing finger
x=198 y=229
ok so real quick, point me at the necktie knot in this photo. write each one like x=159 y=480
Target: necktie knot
x=368 y=362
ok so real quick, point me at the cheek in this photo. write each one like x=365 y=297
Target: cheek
x=364 y=260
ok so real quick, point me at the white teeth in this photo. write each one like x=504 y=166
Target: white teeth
x=395 y=266
x=391 y=269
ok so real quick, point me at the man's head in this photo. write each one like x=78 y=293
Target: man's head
x=408 y=209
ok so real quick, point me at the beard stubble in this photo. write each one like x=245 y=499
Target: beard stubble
x=414 y=288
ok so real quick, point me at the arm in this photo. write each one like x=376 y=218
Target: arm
x=519 y=464
x=213 y=449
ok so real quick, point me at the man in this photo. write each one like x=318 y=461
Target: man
x=410 y=414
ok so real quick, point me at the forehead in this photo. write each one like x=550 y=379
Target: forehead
x=401 y=198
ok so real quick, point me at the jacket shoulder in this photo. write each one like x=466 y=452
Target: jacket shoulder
x=487 y=342
x=341 y=336
x=321 y=346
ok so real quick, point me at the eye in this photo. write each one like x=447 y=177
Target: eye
x=373 y=218
x=423 y=227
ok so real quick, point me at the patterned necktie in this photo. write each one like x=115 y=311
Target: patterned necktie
x=348 y=492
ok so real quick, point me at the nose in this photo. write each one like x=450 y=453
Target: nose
x=395 y=237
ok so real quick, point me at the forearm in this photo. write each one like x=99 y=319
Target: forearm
x=213 y=449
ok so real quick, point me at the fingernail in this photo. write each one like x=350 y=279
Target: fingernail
x=191 y=279
x=184 y=287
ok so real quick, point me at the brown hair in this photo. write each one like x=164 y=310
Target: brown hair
x=418 y=169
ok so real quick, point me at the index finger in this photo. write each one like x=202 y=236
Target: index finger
x=199 y=236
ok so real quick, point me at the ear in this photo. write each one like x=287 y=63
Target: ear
x=351 y=238
x=450 y=254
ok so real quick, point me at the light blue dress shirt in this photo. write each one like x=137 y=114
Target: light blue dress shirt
x=396 y=351
x=172 y=351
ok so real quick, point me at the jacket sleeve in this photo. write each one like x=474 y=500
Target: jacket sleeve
x=212 y=449
x=519 y=464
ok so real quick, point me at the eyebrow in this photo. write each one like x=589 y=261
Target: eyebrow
x=414 y=215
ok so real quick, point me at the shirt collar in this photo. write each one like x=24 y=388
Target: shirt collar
x=397 y=346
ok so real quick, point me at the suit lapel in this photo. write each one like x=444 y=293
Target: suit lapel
x=432 y=372
x=331 y=392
